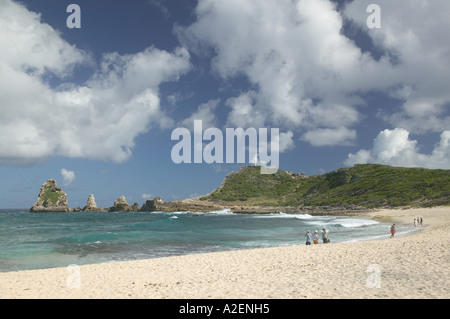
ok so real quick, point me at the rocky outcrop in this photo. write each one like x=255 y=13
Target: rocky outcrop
x=121 y=205
x=91 y=205
x=51 y=198
x=152 y=205
x=192 y=205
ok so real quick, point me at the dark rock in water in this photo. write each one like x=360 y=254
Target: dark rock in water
x=152 y=205
x=51 y=199
x=121 y=205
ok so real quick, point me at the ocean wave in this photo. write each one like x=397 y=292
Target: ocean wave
x=172 y=213
x=343 y=222
x=303 y=216
x=225 y=211
x=354 y=222
x=284 y=215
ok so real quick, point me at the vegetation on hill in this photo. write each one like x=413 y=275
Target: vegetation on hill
x=367 y=185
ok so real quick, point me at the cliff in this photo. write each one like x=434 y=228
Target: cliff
x=51 y=198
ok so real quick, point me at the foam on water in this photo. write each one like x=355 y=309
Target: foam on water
x=225 y=211
x=285 y=215
x=354 y=223
x=344 y=222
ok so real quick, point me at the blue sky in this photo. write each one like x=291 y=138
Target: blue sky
x=94 y=107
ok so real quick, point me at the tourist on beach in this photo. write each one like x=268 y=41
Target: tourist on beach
x=393 y=231
x=315 y=237
x=308 y=237
x=421 y=221
x=325 y=237
x=415 y=222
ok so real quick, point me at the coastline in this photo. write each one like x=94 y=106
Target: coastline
x=412 y=266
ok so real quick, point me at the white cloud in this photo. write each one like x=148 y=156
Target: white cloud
x=293 y=52
x=286 y=141
x=309 y=77
x=147 y=196
x=68 y=176
x=98 y=119
x=330 y=137
x=393 y=147
x=26 y=37
x=416 y=34
x=205 y=113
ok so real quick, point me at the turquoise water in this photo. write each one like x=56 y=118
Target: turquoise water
x=44 y=240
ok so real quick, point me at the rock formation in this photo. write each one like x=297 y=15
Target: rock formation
x=193 y=205
x=121 y=205
x=91 y=205
x=51 y=199
x=152 y=205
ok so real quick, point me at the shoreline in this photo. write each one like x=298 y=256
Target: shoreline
x=415 y=265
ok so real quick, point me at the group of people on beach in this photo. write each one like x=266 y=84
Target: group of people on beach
x=314 y=237
x=418 y=221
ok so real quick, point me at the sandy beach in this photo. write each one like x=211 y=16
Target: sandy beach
x=412 y=266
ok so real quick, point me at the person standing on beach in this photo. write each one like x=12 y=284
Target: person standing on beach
x=315 y=237
x=393 y=231
x=325 y=238
x=308 y=237
x=421 y=221
x=415 y=222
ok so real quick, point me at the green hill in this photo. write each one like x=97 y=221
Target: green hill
x=365 y=185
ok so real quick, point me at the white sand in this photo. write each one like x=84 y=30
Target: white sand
x=413 y=266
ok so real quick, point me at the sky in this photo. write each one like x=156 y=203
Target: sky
x=94 y=106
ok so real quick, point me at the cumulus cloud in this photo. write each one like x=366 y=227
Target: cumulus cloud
x=415 y=35
x=205 y=113
x=286 y=141
x=68 y=176
x=98 y=119
x=307 y=76
x=304 y=70
x=393 y=147
x=330 y=137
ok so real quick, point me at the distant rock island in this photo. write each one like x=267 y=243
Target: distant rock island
x=359 y=188
x=121 y=205
x=51 y=199
x=91 y=205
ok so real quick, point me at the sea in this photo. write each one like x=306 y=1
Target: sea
x=46 y=240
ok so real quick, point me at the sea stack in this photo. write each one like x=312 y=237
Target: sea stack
x=121 y=205
x=91 y=206
x=51 y=199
